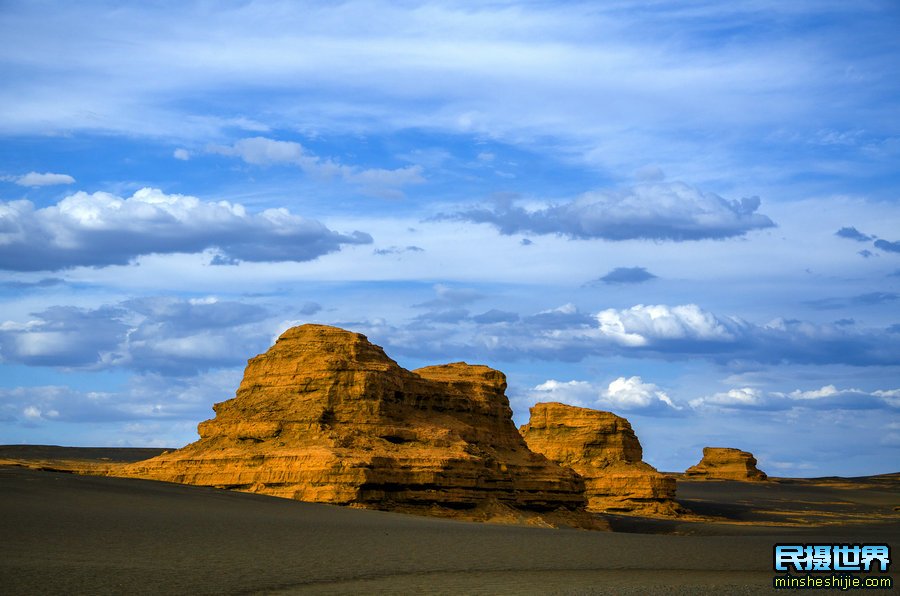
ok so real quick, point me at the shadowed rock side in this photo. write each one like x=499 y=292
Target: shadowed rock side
x=604 y=450
x=725 y=463
x=326 y=416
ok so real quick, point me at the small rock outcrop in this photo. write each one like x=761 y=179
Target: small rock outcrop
x=604 y=450
x=725 y=463
x=324 y=415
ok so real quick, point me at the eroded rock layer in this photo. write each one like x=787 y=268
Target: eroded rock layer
x=725 y=463
x=324 y=415
x=604 y=450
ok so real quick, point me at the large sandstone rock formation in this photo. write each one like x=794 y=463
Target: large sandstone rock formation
x=604 y=450
x=326 y=416
x=725 y=463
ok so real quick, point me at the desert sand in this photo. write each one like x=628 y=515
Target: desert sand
x=72 y=534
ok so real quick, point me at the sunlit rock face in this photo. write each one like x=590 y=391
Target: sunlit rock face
x=725 y=463
x=604 y=450
x=324 y=415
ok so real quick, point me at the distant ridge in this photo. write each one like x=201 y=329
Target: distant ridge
x=57 y=452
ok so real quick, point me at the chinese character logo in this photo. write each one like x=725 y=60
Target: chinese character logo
x=832 y=557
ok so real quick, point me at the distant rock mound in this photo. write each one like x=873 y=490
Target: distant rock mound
x=604 y=450
x=725 y=463
x=324 y=415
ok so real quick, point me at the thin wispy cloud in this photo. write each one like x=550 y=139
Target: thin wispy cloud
x=263 y=152
x=42 y=179
x=624 y=203
x=513 y=71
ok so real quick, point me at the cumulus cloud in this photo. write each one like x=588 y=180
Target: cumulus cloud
x=181 y=154
x=264 y=151
x=622 y=394
x=161 y=334
x=66 y=336
x=45 y=179
x=102 y=229
x=642 y=325
x=574 y=393
x=744 y=397
x=827 y=397
x=634 y=394
x=627 y=275
x=665 y=211
x=679 y=331
x=643 y=331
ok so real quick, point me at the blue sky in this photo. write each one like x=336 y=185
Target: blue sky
x=683 y=212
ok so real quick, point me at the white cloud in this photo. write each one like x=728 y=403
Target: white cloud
x=45 y=179
x=565 y=309
x=641 y=325
x=890 y=396
x=826 y=391
x=182 y=154
x=166 y=334
x=634 y=394
x=742 y=397
x=521 y=71
x=827 y=397
x=622 y=394
x=32 y=413
x=660 y=211
x=103 y=229
x=574 y=393
x=672 y=333
x=263 y=151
